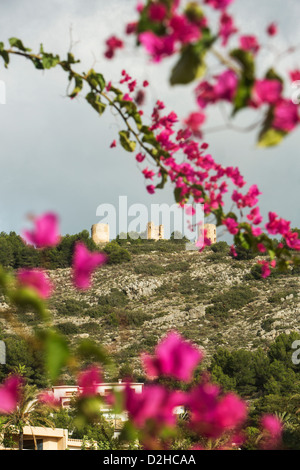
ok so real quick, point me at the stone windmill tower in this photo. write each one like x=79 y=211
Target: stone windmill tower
x=100 y=233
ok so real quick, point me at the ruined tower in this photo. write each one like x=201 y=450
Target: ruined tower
x=100 y=233
x=155 y=232
x=211 y=232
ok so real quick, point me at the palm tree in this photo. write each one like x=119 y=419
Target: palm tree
x=29 y=412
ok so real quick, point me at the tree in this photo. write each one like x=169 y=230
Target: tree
x=29 y=412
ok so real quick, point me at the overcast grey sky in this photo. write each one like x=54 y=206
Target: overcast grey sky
x=55 y=152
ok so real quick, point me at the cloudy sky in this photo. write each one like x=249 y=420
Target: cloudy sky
x=55 y=152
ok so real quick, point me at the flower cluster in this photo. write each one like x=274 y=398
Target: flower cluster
x=164 y=29
x=213 y=415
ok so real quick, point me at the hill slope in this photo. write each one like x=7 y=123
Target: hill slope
x=209 y=297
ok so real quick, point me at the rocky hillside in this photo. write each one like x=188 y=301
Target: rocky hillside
x=209 y=297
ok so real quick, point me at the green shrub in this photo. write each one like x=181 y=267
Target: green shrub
x=276 y=298
x=255 y=273
x=220 y=247
x=150 y=269
x=243 y=253
x=191 y=286
x=90 y=327
x=116 y=253
x=217 y=257
x=95 y=312
x=136 y=317
x=177 y=266
x=116 y=298
x=68 y=328
x=235 y=298
x=72 y=307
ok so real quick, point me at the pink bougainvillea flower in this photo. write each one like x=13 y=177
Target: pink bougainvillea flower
x=150 y=188
x=261 y=248
x=157 y=12
x=131 y=27
x=267 y=91
x=113 y=43
x=173 y=357
x=140 y=157
x=10 y=394
x=257 y=231
x=265 y=268
x=255 y=216
x=84 y=264
x=183 y=30
x=37 y=280
x=158 y=47
x=155 y=403
x=227 y=28
x=213 y=414
x=89 y=380
x=286 y=116
x=148 y=174
x=232 y=225
x=277 y=225
x=224 y=89
x=272 y=432
x=45 y=233
x=249 y=43
x=140 y=7
x=292 y=240
x=194 y=121
x=295 y=75
x=48 y=398
x=205 y=94
x=272 y=29
x=113 y=144
x=218 y=4
x=140 y=97
x=233 y=251
x=226 y=85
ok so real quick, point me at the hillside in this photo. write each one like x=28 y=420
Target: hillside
x=209 y=297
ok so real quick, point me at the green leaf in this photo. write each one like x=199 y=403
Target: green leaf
x=246 y=61
x=49 y=60
x=15 y=42
x=189 y=67
x=129 y=105
x=57 y=353
x=271 y=137
x=78 y=86
x=193 y=12
x=5 y=56
x=177 y=194
x=88 y=349
x=127 y=144
x=272 y=75
x=95 y=102
x=95 y=79
x=151 y=139
x=164 y=179
x=247 y=79
x=71 y=59
x=243 y=95
x=24 y=297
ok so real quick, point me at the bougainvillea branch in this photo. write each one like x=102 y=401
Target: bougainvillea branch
x=199 y=178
